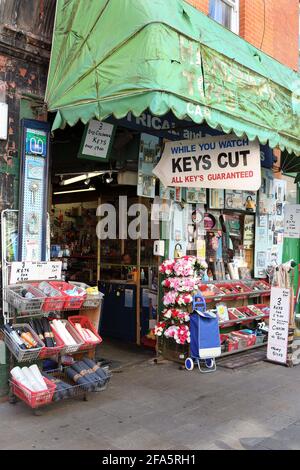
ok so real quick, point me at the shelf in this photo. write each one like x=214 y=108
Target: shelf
x=236 y=351
x=225 y=324
x=237 y=296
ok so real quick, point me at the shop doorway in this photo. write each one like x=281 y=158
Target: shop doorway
x=124 y=269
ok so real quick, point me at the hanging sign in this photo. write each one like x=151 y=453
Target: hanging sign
x=225 y=162
x=279 y=325
x=97 y=140
x=292 y=221
x=30 y=271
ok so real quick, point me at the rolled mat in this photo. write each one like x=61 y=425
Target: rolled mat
x=82 y=369
x=97 y=369
x=78 y=379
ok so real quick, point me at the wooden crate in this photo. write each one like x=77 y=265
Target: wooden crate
x=172 y=351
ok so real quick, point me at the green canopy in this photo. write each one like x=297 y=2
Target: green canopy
x=112 y=57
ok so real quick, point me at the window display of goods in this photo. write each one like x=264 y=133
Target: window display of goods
x=29 y=385
x=65 y=332
x=86 y=330
x=74 y=295
x=54 y=299
x=25 y=298
x=23 y=342
x=42 y=328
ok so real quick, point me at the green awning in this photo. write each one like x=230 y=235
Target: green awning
x=112 y=57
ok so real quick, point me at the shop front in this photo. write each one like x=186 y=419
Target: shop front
x=162 y=180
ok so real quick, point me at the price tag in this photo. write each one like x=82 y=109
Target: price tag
x=35 y=271
x=292 y=221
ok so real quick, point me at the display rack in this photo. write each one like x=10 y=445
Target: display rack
x=39 y=306
x=250 y=291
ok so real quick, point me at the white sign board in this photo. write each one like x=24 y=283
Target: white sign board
x=97 y=140
x=292 y=221
x=225 y=162
x=3 y=120
x=279 y=325
x=35 y=271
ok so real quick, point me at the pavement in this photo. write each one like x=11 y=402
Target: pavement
x=158 y=406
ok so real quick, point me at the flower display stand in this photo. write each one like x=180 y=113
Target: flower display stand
x=171 y=351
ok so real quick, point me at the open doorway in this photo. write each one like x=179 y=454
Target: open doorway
x=123 y=269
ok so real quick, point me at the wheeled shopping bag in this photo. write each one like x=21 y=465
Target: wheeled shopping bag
x=205 y=337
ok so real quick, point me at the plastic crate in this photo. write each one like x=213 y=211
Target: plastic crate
x=24 y=306
x=49 y=352
x=23 y=355
x=236 y=314
x=71 y=302
x=91 y=301
x=68 y=349
x=259 y=307
x=260 y=339
x=53 y=303
x=210 y=291
x=85 y=323
x=33 y=399
x=246 y=340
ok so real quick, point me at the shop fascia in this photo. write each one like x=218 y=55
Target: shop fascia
x=168 y=126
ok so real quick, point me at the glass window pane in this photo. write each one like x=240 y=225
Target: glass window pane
x=222 y=12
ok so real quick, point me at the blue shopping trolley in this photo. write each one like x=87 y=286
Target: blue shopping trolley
x=205 y=337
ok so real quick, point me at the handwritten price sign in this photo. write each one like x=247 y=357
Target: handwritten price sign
x=279 y=325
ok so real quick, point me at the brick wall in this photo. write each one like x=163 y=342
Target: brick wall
x=273 y=27
x=201 y=5
x=270 y=25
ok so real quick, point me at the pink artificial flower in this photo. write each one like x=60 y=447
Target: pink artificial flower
x=159 y=328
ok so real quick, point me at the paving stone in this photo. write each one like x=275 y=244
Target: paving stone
x=162 y=407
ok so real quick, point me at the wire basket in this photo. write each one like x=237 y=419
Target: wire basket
x=49 y=352
x=33 y=399
x=13 y=296
x=23 y=355
x=92 y=301
x=52 y=303
x=68 y=349
x=76 y=390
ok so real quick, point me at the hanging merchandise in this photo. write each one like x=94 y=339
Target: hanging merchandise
x=248 y=238
x=33 y=193
x=269 y=224
x=148 y=157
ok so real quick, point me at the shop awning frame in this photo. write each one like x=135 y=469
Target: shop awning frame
x=111 y=58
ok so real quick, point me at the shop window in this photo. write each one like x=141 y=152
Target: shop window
x=225 y=12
